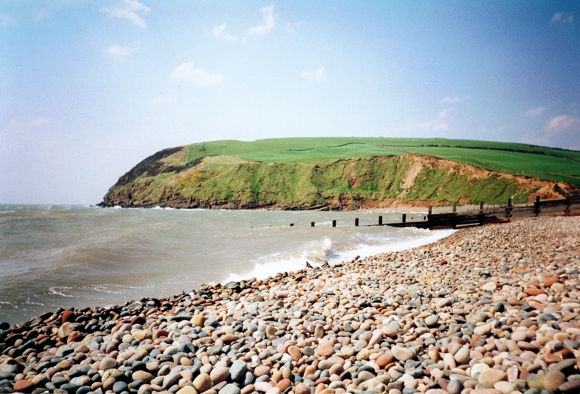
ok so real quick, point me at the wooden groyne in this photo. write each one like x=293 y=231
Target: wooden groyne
x=478 y=217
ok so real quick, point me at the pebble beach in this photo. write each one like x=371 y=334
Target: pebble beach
x=488 y=310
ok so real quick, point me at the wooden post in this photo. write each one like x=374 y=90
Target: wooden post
x=454 y=207
x=311 y=224
x=356 y=222
x=404 y=218
x=380 y=220
x=430 y=210
x=508 y=209
x=568 y=204
x=334 y=223
x=481 y=205
x=537 y=206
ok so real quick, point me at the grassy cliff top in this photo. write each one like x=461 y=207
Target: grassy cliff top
x=512 y=158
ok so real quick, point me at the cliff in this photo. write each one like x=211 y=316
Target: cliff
x=176 y=178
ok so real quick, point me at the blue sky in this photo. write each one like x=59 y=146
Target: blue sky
x=89 y=88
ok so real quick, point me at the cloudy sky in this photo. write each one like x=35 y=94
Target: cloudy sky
x=89 y=88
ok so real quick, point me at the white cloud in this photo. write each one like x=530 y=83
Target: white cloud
x=439 y=123
x=187 y=72
x=535 y=112
x=562 y=17
x=268 y=18
x=130 y=10
x=316 y=75
x=118 y=52
x=161 y=100
x=563 y=123
x=452 y=100
x=219 y=32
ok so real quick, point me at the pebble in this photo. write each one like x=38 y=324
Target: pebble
x=553 y=380
x=202 y=382
x=491 y=376
x=402 y=353
x=462 y=355
x=238 y=371
x=230 y=389
x=500 y=316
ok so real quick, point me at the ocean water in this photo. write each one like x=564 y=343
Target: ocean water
x=76 y=256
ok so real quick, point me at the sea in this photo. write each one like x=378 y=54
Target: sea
x=54 y=256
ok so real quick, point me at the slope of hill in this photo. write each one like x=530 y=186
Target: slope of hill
x=345 y=173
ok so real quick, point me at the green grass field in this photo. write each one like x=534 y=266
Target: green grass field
x=340 y=172
x=518 y=159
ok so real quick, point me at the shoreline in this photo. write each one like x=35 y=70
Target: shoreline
x=486 y=308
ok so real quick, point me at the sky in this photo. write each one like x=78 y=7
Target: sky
x=90 y=88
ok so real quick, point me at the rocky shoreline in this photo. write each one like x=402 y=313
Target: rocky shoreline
x=489 y=310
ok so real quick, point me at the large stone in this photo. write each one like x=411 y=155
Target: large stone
x=431 y=320
x=553 y=380
x=402 y=353
x=384 y=360
x=376 y=338
x=230 y=389
x=238 y=371
x=294 y=352
x=170 y=379
x=504 y=387
x=187 y=390
x=535 y=381
x=482 y=330
x=142 y=375
x=219 y=374
x=198 y=320
x=325 y=350
x=107 y=363
x=489 y=286
x=462 y=355
x=119 y=387
x=23 y=385
x=491 y=376
x=301 y=388
x=571 y=385
x=202 y=382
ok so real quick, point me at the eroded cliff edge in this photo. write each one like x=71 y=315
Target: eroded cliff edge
x=169 y=179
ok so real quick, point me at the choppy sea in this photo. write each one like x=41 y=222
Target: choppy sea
x=77 y=256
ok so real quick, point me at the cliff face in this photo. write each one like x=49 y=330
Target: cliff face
x=169 y=179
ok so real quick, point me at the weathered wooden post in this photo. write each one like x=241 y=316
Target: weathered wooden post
x=311 y=224
x=334 y=223
x=508 y=209
x=356 y=222
x=568 y=204
x=380 y=220
x=454 y=207
x=537 y=206
x=404 y=218
x=430 y=210
x=481 y=205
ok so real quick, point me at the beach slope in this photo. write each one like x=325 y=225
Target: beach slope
x=492 y=309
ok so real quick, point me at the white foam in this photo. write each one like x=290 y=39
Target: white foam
x=318 y=252
x=60 y=291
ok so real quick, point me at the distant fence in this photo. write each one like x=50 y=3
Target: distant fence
x=481 y=216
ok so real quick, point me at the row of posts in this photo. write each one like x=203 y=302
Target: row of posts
x=508 y=211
